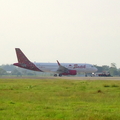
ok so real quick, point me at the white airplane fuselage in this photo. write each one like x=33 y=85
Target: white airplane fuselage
x=53 y=67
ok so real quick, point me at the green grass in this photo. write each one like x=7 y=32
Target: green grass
x=47 y=99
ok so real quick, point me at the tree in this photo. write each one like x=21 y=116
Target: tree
x=105 y=68
x=8 y=67
x=99 y=68
x=2 y=72
x=16 y=72
x=113 y=65
x=119 y=71
x=113 y=71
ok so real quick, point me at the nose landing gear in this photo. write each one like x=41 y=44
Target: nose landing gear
x=85 y=75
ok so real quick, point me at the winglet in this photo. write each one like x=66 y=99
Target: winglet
x=58 y=62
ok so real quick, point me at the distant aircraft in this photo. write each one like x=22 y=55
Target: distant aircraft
x=56 y=68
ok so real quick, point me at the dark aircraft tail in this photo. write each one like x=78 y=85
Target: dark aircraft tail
x=21 y=57
x=23 y=61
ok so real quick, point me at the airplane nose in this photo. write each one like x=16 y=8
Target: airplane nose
x=95 y=69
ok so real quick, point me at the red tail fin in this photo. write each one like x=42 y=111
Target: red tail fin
x=23 y=61
x=21 y=57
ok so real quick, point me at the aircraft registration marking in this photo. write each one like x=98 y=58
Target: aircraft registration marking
x=79 y=66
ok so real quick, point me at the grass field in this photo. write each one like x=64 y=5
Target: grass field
x=56 y=99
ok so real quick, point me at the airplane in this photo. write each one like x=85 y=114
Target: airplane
x=57 y=68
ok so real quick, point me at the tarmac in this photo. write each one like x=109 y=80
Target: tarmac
x=91 y=78
x=63 y=78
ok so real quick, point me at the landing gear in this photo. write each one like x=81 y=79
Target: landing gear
x=89 y=75
x=85 y=75
x=55 y=75
x=60 y=75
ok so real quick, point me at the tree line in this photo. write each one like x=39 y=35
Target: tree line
x=13 y=70
x=113 y=70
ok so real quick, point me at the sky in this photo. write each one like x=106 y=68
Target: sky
x=71 y=31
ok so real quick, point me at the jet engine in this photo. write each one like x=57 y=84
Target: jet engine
x=70 y=72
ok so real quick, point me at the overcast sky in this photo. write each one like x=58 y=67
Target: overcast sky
x=75 y=31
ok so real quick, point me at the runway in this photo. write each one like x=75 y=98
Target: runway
x=76 y=78
x=91 y=78
x=62 y=78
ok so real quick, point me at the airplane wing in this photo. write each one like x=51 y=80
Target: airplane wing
x=62 y=69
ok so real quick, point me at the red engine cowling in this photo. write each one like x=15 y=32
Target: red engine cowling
x=70 y=72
